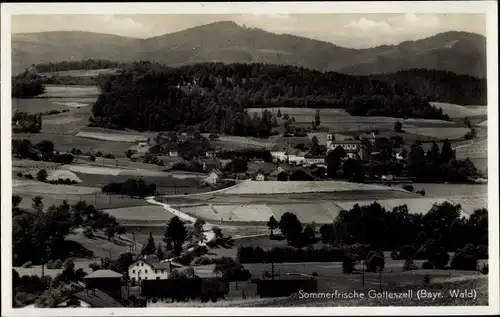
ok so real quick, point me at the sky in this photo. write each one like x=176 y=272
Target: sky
x=348 y=30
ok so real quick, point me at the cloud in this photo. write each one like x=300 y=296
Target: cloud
x=369 y=31
x=124 y=25
x=366 y=25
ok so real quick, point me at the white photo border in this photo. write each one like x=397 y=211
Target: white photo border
x=489 y=8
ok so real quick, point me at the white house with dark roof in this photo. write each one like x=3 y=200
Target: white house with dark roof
x=150 y=268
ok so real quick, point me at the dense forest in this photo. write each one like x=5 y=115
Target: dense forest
x=87 y=64
x=213 y=96
x=441 y=86
x=428 y=236
x=27 y=84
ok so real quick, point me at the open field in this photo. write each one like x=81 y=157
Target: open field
x=111 y=135
x=445 y=190
x=181 y=200
x=458 y=111
x=66 y=142
x=149 y=213
x=277 y=187
x=476 y=149
x=35 y=187
x=99 y=200
x=63 y=91
x=439 y=132
x=338 y=120
x=81 y=73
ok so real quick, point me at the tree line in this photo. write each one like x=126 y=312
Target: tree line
x=442 y=86
x=27 y=84
x=213 y=97
x=87 y=64
x=38 y=235
x=436 y=165
x=427 y=236
x=131 y=187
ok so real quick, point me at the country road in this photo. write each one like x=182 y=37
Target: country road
x=207 y=227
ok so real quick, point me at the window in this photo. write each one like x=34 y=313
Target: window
x=139 y=278
x=146 y=271
x=145 y=277
x=133 y=271
x=162 y=271
x=157 y=277
x=156 y=271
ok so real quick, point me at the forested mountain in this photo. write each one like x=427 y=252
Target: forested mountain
x=212 y=97
x=442 y=86
x=459 y=52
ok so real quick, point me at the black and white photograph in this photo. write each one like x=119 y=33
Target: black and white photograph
x=325 y=157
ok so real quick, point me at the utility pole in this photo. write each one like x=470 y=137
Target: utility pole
x=380 y=278
x=272 y=270
x=363 y=275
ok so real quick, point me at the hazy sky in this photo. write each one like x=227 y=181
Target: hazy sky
x=349 y=30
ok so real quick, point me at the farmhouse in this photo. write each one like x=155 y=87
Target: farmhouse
x=314 y=160
x=173 y=153
x=354 y=149
x=150 y=268
x=213 y=177
x=278 y=152
x=90 y=298
x=107 y=281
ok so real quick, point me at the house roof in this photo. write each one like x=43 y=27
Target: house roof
x=103 y=274
x=97 y=298
x=156 y=264
x=347 y=142
x=266 y=168
x=216 y=171
x=322 y=136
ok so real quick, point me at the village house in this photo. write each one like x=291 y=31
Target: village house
x=214 y=176
x=90 y=298
x=150 y=268
x=107 y=281
x=295 y=156
x=173 y=153
x=278 y=153
x=355 y=149
x=313 y=160
x=260 y=176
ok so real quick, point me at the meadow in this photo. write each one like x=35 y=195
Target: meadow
x=458 y=111
x=277 y=187
x=111 y=135
x=81 y=73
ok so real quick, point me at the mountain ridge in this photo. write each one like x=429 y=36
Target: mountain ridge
x=226 y=41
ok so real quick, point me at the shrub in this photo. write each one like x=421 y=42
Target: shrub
x=421 y=192
x=19 y=174
x=465 y=259
x=314 y=274
x=89 y=233
x=427 y=265
x=408 y=188
x=29 y=176
x=485 y=269
x=426 y=280
x=202 y=261
x=98 y=154
x=94 y=266
x=395 y=255
x=92 y=158
x=348 y=263
x=109 y=156
x=375 y=261
x=57 y=264
x=408 y=265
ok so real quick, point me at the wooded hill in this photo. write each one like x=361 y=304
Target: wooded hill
x=213 y=96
